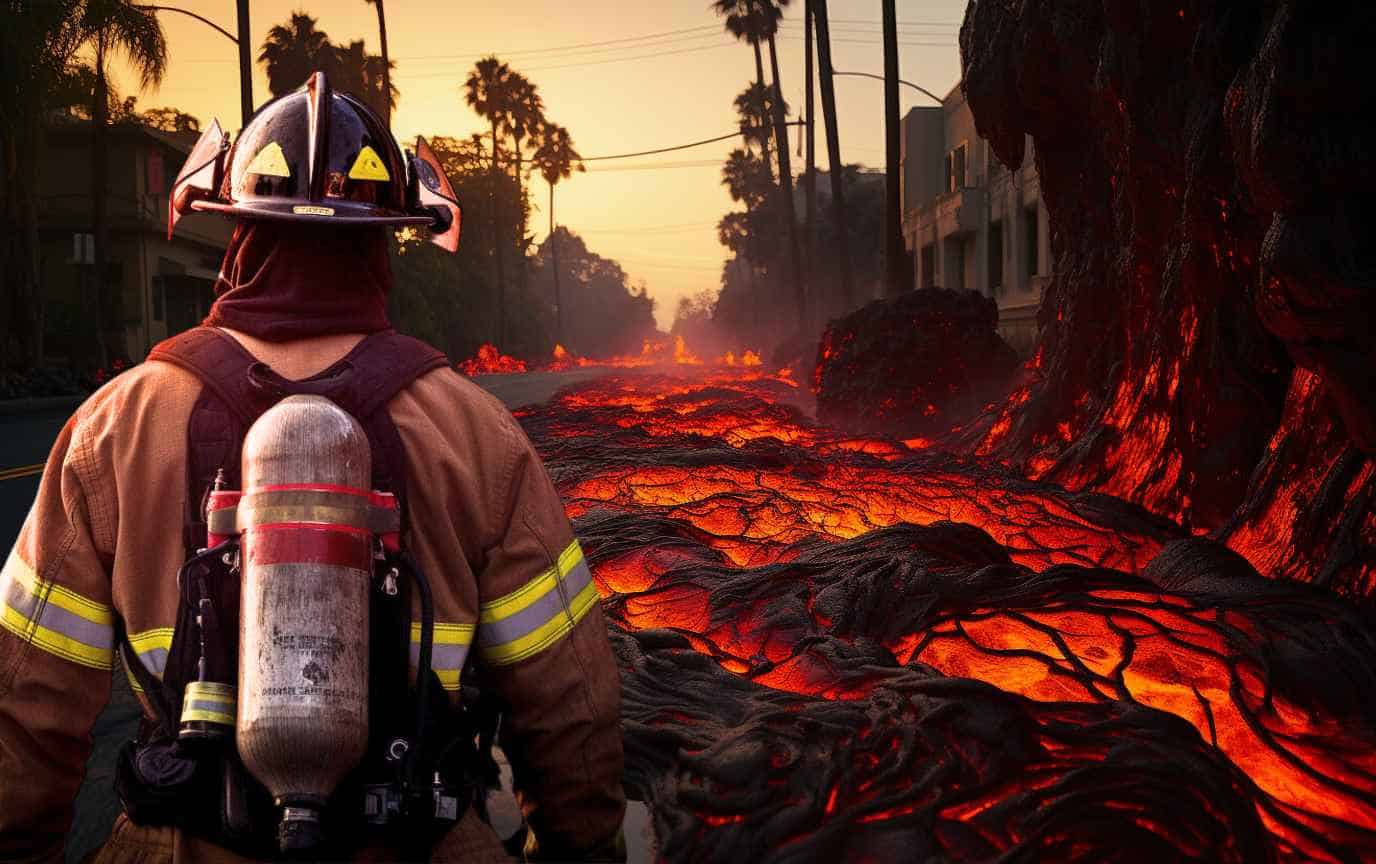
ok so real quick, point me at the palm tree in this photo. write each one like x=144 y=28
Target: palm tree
x=838 y=199
x=755 y=108
x=114 y=27
x=743 y=22
x=524 y=120
x=556 y=160
x=292 y=52
x=756 y=21
x=354 y=70
x=386 y=62
x=488 y=92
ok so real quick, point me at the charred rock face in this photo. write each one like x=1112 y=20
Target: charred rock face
x=845 y=648
x=1200 y=165
x=913 y=365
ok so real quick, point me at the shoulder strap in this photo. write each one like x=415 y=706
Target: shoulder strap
x=238 y=388
x=222 y=364
x=383 y=365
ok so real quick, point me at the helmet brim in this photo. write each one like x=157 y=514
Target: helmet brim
x=331 y=212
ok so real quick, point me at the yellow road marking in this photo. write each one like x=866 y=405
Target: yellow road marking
x=21 y=471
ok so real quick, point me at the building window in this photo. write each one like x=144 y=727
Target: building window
x=955 y=169
x=1031 y=241
x=929 y=266
x=995 y=247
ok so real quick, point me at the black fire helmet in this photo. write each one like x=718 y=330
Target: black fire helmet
x=316 y=155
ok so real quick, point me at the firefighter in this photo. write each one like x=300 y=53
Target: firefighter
x=104 y=562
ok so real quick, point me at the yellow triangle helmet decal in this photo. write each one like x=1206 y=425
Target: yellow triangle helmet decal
x=368 y=166
x=270 y=162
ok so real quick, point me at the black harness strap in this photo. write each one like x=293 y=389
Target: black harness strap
x=238 y=388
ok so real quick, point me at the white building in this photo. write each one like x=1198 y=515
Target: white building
x=971 y=223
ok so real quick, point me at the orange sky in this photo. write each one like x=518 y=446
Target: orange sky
x=656 y=215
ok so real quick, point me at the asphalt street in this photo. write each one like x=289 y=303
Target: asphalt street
x=26 y=438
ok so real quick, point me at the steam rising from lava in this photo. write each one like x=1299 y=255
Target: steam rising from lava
x=840 y=648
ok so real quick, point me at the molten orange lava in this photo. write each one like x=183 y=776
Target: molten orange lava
x=765 y=479
x=490 y=361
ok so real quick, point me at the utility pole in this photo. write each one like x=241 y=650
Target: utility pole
x=838 y=193
x=386 y=64
x=245 y=41
x=895 y=272
x=815 y=305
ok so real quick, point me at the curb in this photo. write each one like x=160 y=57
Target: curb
x=12 y=407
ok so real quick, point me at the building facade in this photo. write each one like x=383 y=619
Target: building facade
x=971 y=223
x=155 y=286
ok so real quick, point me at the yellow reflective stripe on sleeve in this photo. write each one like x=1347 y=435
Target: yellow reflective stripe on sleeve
x=546 y=634
x=54 y=618
x=510 y=604
x=448 y=651
x=22 y=574
x=152 y=648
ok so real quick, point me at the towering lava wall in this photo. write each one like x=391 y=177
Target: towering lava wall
x=1207 y=177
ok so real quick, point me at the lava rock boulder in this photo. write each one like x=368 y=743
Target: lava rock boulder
x=913 y=365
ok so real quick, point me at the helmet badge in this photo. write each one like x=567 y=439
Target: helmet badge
x=369 y=166
x=270 y=161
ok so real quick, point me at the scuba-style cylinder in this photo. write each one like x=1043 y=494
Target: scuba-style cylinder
x=306 y=558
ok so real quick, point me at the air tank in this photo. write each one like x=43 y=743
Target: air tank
x=303 y=646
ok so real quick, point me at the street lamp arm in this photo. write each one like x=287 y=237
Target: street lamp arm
x=228 y=35
x=923 y=90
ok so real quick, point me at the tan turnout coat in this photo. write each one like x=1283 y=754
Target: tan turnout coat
x=104 y=539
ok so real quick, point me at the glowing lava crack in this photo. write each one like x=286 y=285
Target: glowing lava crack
x=855 y=649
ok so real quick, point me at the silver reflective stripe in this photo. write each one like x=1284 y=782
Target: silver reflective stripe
x=55 y=619
x=154 y=660
x=442 y=656
x=538 y=613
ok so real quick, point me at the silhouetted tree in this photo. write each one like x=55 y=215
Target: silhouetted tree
x=293 y=51
x=170 y=120
x=488 y=92
x=556 y=160
x=524 y=118
x=110 y=28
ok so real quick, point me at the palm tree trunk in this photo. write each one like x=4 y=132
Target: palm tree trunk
x=386 y=64
x=896 y=278
x=99 y=217
x=497 y=242
x=838 y=194
x=759 y=78
x=786 y=189
x=810 y=173
x=554 y=253
x=521 y=282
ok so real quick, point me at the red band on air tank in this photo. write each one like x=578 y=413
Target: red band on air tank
x=309 y=543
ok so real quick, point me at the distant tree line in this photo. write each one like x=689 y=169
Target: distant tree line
x=54 y=56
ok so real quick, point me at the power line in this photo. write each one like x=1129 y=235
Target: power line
x=576 y=45
x=588 y=53
x=636 y=57
x=656 y=166
x=738 y=132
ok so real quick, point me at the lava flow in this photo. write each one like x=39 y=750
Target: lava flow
x=842 y=648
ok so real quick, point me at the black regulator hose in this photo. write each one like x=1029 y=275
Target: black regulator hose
x=427 y=642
